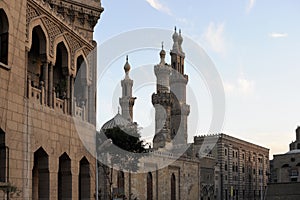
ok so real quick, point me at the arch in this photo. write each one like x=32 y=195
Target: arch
x=80 y=83
x=37 y=22
x=61 y=39
x=2 y=157
x=60 y=70
x=64 y=177
x=285 y=165
x=40 y=175
x=149 y=186
x=121 y=183
x=84 y=181
x=173 y=187
x=37 y=55
x=4 y=37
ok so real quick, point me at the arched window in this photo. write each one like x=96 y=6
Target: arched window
x=2 y=157
x=40 y=175
x=84 y=179
x=149 y=186
x=64 y=178
x=36 y=56
x=121 y=183
x=60 y=71
x=4 y=27
x=80 y=84
x=173 y=187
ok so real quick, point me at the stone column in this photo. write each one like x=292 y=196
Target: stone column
x=71 y=102
x=68 y=92
x=50 y=86
x=45 y=79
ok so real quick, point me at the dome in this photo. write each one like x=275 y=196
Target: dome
x=175 y=36
x=162 y=53
x=117 y=121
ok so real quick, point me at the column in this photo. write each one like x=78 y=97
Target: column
x=45 y=79
x=68 y=94
x=50 y=86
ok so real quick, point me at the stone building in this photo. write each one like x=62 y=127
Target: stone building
x=243 y=166
x=212 y=167
x=47 y=84
x=286 y=167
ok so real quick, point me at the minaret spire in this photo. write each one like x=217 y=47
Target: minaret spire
x=127 y=101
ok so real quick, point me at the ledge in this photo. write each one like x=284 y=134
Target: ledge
x=4 y=66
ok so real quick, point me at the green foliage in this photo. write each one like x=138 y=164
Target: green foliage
x=127 y=139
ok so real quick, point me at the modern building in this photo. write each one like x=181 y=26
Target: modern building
x=45 y=48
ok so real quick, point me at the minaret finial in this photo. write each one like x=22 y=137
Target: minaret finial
x=127 y=66
x=179 y=31
x=162 y=45
x=175 y=28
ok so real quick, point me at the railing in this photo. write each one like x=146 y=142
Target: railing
x=79 y=109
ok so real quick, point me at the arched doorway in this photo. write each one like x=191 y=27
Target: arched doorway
x=84 y=179
x=40 y=175
x=64 y=178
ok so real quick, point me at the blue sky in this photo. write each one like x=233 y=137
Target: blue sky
x=253 y=44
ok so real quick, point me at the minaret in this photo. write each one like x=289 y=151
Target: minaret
x=178 y=82
x=127 y=101
x=162 y=102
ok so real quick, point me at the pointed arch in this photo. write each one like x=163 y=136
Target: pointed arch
x=40 y=175
x=37 y=55
x=37 y=22
x=4 y=37
x=84 y=182
x=64 y=177
x=61 y=39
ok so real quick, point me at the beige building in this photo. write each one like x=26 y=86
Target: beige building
x=45 y=47
x=243 y=166
x=212 y=167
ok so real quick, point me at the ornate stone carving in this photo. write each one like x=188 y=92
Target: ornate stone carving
x=30 y=14
x=53 y=30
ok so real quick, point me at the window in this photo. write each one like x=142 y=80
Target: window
x=149 y=186
x=84 y=179
x=225 y=166
x=121 y=182
x=64 y=178
x=3 y=37
x=225 y=152
x=2 y=157
x=173 y=187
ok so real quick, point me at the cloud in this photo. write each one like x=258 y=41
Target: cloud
x=214 y=36
x=159 y=6
x=250 y=5
x=278 y=35
x=241 y=86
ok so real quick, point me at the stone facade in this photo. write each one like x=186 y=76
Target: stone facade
x=286 y=167
x=212 y=167
x=243 y=166
x=45 y=47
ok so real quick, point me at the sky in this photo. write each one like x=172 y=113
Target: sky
x=253 y=44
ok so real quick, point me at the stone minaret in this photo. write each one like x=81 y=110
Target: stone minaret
x=161 y=100
x=127 y=101
x=178 y=82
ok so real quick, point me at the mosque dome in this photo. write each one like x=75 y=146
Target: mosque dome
x=127 y=66
x=116 y=121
